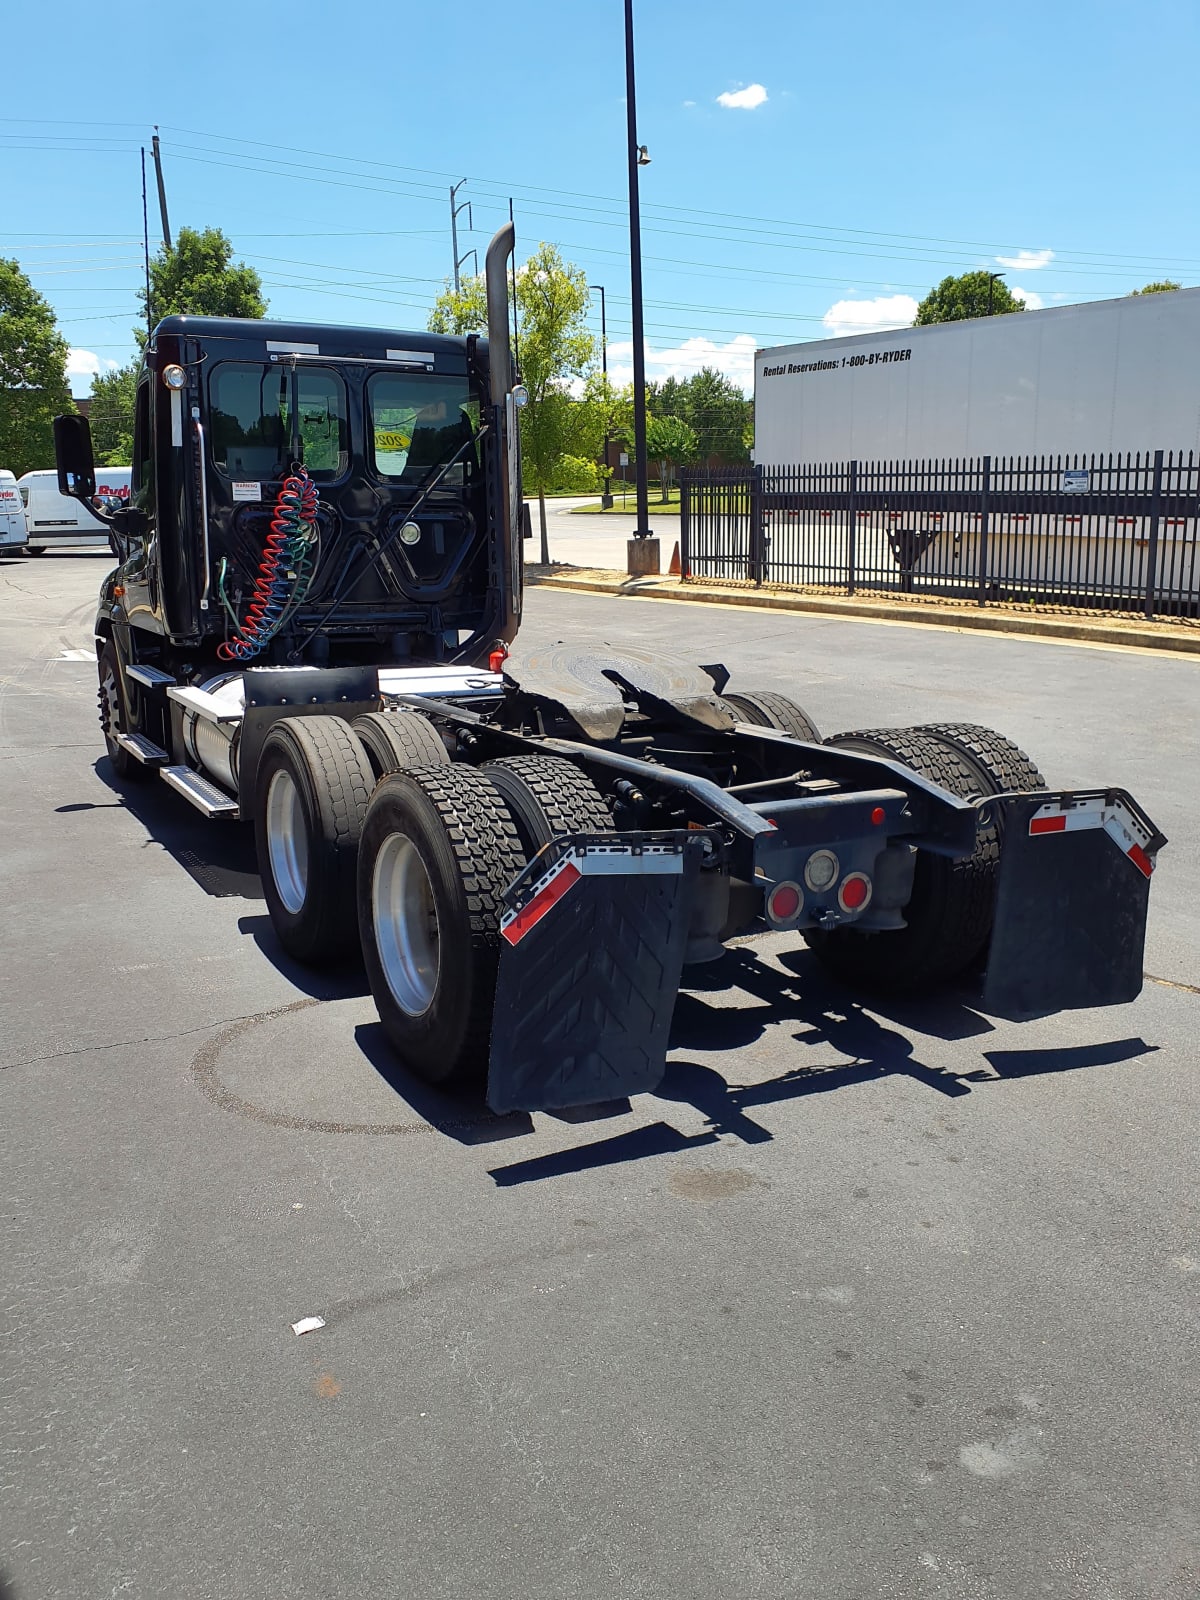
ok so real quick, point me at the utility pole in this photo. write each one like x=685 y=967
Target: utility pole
x=639 y=561
x=162 y=192
x=993 y=278
x=146 y=248
x=455 y=208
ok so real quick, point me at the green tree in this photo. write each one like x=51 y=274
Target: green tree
x=33 y=373
x=554 y=346
x=111 y=415
x=973 y=294
x=714 y=407
x=461 y=311
x=671 y=442
x=667 y=398
x=1164 y=286
x=606 y=416
x=198 y=278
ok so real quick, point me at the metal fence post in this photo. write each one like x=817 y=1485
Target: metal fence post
x=757 y=545
x=852 y=540
x=1152 y=552
x=984 y=511
x=685 y=530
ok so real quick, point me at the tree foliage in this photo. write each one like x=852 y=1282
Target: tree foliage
x=555 y=347
x=33 y=374
x=1163 y=286
x=972 y=294
x=198 y=278
x=605 y=416
x=111 y=415
x=671 y=442
x=714 y=408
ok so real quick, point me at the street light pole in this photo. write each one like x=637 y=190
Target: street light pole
x=636 y=157
x=598 y=288
x=993 y=278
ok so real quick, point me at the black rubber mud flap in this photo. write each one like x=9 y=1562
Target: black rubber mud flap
x=1071 y=904
x=592 y=951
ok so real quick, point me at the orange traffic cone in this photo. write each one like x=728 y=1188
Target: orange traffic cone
x=673 y=571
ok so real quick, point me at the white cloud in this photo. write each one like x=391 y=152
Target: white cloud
x=735 y=360
x=743 y=99
x=1027 y=260
x=689 y=102
x=871 y=316
x=1030 y=300
x=83 y=366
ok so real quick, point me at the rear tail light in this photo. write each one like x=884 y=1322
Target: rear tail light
x=855 y=891
x=784 y=902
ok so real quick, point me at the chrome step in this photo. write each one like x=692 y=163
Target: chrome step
x=143 y=749
x=149 y=677
x=204 y=704
x=203 y=795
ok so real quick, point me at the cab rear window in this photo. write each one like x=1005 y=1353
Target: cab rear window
x=264 y=417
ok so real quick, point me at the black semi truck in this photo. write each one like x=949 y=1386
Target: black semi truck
x=318 y=580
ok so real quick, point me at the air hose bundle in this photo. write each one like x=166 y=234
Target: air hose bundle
x=284 y=573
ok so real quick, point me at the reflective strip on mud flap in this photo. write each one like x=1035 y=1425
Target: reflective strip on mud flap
x=615 y=860
x=1095 y=811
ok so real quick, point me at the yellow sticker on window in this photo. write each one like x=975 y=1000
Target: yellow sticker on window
x=392 y=441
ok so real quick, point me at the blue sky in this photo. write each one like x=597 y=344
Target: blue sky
x=861 y=153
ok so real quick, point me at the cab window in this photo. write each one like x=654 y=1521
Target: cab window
x=416 y=422
x=264 y=417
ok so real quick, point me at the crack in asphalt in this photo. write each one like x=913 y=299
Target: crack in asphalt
x=160 y=1038
x=1172 y=983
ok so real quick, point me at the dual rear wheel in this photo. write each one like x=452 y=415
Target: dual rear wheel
x=406 y=863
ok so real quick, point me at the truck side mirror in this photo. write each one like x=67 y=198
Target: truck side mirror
x=73 y=453
x=526 y=521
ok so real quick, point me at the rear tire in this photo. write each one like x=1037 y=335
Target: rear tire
x=949 y=915
x=765 y=709
x=311 y=793
x=438 y=850
x=394 y=740
x=547 y=797
x=1003 y=764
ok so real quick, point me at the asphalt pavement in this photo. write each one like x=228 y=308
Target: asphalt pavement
x=863 y=1305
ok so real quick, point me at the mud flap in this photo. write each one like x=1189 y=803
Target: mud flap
x=1071 y=904
x=593 y=941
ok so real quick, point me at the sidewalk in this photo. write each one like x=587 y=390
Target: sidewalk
x=1178 y=637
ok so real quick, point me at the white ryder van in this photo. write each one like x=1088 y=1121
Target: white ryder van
x=53 y=519
x=12 y=514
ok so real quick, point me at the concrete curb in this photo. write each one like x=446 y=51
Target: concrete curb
x=1143 y=636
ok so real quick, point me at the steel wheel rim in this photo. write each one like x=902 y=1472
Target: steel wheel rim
x=110 y=708
x=287 y=841
x=404 y=915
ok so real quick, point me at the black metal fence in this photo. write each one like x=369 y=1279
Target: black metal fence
x=1116 y=533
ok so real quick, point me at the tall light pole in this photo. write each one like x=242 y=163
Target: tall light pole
x=637 y=158
x=598 y=288
x=993 y=279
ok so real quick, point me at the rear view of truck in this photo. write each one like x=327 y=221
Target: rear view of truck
x=319 y=578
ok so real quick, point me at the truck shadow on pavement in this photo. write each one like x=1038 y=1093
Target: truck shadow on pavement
x=219 y=856
x=830 y=1017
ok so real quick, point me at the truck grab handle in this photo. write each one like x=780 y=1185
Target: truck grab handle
x=199 y=426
